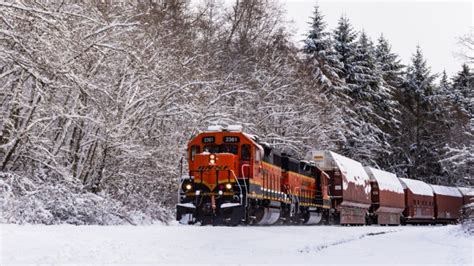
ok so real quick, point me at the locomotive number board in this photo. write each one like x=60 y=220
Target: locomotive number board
x=208 y=140
x=231 y=139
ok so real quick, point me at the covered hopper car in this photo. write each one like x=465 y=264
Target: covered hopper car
x=419 y=202
x=448 y=203
x=388 y=197
x=349 y=186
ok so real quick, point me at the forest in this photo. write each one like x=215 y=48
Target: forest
x=98 y=100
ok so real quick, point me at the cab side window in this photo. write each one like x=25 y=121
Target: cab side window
x=194 y=150
x=258 y=155
x=245 y=152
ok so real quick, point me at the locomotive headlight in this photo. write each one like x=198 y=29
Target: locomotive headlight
x=189 y=186
x=212 y=159
x=228 y=186
x=220 y=192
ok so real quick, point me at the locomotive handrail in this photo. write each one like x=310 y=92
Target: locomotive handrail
x=245 y=183
x=240 y=187
x=297 y=196
x=180 y=184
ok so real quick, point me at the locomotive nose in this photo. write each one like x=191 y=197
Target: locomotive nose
x=215 y=170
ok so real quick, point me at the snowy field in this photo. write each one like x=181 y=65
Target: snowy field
x=159 y=244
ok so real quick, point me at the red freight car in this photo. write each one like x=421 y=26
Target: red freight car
x=467 y=195
x=448 y=203
x=419 y=201
x=349 y=185
x=388 y=197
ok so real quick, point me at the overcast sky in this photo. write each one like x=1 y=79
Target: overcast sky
x=435 y=26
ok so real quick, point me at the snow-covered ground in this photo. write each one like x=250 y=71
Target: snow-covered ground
x=159 y=244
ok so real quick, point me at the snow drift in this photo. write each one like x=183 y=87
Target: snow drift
x=34 y=201
x=287 y=245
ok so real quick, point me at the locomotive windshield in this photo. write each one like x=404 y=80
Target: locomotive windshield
x=225 y=148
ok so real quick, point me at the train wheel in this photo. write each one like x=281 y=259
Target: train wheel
x=312 y=218
x=267 y=216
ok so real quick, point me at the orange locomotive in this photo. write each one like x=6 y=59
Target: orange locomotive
x=235 y=179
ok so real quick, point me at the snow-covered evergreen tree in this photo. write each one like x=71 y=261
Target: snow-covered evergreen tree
x=363 y=76
x=392 y=79
x=420 y=150
x=344 y=43
x=463 y=91
x=321 y=58
x=367 y=141
x=444 y=84
x=443 y=99
x=389 y=63
x=458 y=153
x=419 y=80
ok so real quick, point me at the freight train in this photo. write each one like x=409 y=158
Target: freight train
x=236 y=179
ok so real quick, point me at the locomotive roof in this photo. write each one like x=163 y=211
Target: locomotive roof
x=417 y=187
x=385 y=180
x=252 y=138
x=447 y=191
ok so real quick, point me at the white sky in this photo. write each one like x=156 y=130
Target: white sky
x=435 y=26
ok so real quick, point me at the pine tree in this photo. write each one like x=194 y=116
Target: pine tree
x=362 y=77
x=419 y=80
x=324 y=73
x=391 y=71
x=463 y=92
x=443 y=96
x=442 y=102
x=420 y=142
x=457 y=159
x=389 y=63
x=368 y=141
x=344 y=43
x=444 y=84
x=321 y=57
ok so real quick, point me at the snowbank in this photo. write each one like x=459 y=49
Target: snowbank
x=37 y=200
x=385 y=180
x=417 y=187
x=287 y=245
x=447 y=191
